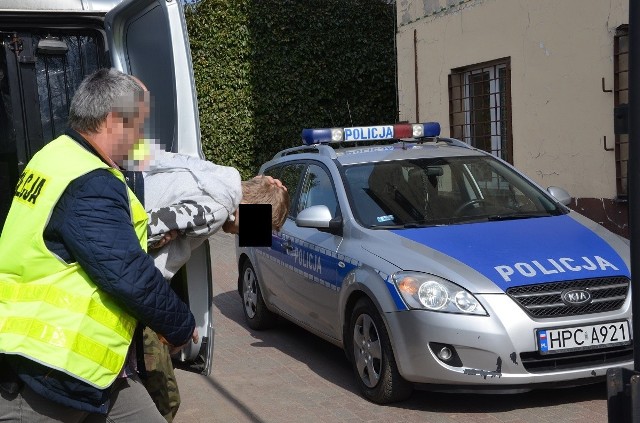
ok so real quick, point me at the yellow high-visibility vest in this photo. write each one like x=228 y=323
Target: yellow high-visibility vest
x=50 y=311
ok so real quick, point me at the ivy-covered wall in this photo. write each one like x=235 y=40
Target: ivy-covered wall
x=266 y=69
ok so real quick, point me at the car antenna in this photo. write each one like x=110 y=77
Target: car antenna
x=328 y=113
x=349 y=109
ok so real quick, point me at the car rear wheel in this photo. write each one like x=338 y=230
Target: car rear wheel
x=373 y=361
x=256 y=314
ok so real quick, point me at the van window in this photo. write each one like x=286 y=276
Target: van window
x=58 y=76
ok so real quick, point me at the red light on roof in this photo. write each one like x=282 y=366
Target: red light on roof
x=403 y=130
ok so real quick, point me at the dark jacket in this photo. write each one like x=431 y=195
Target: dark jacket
x=91 y=225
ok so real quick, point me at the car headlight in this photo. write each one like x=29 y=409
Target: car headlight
x=429 y=292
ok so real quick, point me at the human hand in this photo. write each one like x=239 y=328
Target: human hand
x=166 y=238
x=195 y=338
x=232 y=227
x=273 y=181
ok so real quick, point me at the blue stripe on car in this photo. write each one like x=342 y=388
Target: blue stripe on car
x=315 y=263
x=393 y=290
x=321 y=266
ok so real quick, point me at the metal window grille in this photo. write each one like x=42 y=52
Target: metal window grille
x=621 y=96
x=58 y=76
x=480 y=107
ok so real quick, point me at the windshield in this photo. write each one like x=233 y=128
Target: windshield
x=438 y=191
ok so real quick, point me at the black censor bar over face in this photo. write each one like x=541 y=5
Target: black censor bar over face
x=254 y=228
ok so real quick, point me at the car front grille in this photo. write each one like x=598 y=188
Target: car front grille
x=544 y=300
x=534 y=362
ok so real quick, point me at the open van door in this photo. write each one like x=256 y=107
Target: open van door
x=148 y=39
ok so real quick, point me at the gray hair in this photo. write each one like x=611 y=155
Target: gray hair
x=104 y=91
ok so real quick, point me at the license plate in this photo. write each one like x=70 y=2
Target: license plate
x=583 y=337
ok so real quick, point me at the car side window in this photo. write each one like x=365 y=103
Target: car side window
x=317 y=189
x=290 y=175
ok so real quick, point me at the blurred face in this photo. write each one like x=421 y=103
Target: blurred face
x=126 y=129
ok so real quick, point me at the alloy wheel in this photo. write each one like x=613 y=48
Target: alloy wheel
x=367 y=350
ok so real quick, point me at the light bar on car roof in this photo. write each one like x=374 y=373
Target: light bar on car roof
x=370 y=133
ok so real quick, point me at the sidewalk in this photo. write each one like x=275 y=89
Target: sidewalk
x=288 y=375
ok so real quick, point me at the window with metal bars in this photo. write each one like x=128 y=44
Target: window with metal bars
x=480 y=107
x=621 y=96
x=58 y=76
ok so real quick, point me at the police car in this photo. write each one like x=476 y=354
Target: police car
x=437 y=265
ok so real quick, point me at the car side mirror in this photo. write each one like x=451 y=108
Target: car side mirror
x=560 y=194
x=319 y=217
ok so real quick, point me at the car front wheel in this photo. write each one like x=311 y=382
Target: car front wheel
x=256 y=314
x=373 y=361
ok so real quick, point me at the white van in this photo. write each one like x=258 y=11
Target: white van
x=48 y=46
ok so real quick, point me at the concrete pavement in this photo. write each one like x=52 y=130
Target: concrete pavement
x=288 y=375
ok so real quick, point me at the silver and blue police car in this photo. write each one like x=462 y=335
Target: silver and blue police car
x=437 y=265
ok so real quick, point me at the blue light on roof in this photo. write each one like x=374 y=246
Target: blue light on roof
x=316 y=136
x=431 y=129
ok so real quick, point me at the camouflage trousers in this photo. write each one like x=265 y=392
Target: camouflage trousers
x=161 y=380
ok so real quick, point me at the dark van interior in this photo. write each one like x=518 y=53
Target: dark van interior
x=39 y=72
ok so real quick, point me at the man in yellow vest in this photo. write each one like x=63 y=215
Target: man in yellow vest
x=76 y=284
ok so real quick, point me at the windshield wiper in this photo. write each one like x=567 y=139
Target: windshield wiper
x=385 y=226
x=498 y=217
x=411 y=225
x=417 y=225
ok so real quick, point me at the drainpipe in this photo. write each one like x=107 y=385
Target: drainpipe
x=415 y=72
x=634 y=170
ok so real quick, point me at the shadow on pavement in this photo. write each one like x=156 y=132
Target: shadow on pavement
x=239 y=405
x=494 y=403
x=322 y=357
